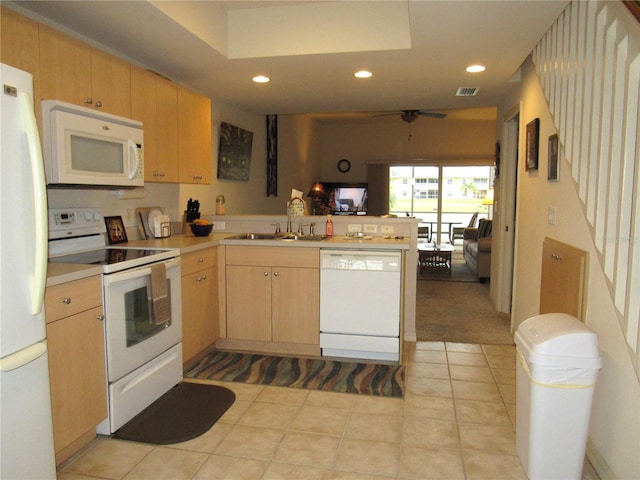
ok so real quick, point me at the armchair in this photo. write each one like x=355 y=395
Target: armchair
x=476 y=247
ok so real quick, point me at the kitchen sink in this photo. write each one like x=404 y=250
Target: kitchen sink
x=255 y=236
x=277 y=236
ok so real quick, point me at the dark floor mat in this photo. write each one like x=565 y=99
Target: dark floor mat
x=184 y=412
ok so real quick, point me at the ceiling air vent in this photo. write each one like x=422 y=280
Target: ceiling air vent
x=467 y=92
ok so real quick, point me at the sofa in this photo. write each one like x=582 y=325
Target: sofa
x=476 y=247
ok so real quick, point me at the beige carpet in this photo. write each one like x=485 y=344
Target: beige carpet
x=459 y=312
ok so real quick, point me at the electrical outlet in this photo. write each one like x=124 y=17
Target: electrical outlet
x=386 y=229
x=219 y=225
x=370 y=228
x=354 y=227
x=128 y=216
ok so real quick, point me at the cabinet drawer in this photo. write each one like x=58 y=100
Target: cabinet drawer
x=69 y=298
x=195 y=261
x=273 y=256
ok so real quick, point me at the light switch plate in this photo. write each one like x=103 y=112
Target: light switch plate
x=551 y=220
x=355 y=227
x=386 y=229
x=219 y=225
x=370 y=228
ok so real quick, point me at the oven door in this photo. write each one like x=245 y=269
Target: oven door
x=132 y=336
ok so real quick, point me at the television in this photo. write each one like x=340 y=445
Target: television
x=345 y=198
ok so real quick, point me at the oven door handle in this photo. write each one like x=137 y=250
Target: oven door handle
x=144 y=271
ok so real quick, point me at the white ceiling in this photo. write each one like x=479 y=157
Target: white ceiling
x=417 y=50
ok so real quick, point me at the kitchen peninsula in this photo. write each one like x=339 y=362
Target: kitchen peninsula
x=299 y=336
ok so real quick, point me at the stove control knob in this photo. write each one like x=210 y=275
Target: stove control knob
x=96 y=216
x=87 y=216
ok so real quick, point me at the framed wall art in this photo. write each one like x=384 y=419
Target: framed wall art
x=234 y=155
x=272 y=155
x=533 y=132
x=115 y=230
x=554 y=155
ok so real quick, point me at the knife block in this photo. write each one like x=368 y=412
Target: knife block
x=187 y=218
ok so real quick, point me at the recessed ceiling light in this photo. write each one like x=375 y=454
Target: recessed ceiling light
x=363 y=74
x=261 y=79
x=476 y=68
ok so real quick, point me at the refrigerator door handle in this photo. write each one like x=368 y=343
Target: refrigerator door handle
x=39 y=278
x=23 y=357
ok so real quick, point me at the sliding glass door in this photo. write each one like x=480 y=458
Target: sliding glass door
x=444 y=198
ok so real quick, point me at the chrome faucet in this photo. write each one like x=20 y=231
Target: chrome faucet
x=289 y=205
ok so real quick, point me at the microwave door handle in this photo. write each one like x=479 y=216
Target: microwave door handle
x=41 y=227
x=134 y=158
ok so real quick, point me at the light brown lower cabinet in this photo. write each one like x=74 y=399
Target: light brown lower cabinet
x=77 y=371
x=200 y=324
x=273 y=297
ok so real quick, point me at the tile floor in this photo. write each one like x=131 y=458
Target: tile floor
x=456 y=421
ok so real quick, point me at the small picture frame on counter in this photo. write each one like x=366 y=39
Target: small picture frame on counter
x=116 y=232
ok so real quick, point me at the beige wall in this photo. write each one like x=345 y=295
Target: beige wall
x=386 y=140
x=614 y=437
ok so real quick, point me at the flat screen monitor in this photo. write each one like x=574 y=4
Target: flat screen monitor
x=345 y=198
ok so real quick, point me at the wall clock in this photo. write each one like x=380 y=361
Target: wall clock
x=344 y=165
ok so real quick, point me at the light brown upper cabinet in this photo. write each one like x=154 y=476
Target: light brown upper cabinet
x=74 y=72
x=154 y=102
x=19 y=47
x=194 y=137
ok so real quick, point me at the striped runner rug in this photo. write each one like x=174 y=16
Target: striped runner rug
x=312 y=374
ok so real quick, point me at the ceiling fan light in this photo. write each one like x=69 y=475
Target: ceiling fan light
x=363 y=74
x=261 y=79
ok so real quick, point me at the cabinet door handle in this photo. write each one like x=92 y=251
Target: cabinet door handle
x=200 y=260
x=100 y=317
x=88 y=101
x=201 y=279
x=197 y=177
x=275 y=274
x=98 y=104
x=266 y=274
x=66 y=300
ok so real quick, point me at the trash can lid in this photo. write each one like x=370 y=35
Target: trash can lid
x=558 y=340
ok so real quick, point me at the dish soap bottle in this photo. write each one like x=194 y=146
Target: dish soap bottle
x=328 y=229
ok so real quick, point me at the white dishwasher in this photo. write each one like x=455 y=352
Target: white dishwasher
x=360 y=303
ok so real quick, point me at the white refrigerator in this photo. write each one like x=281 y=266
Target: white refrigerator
x=26 y=431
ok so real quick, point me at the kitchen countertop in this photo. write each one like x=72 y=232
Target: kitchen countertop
x=67 y=272
x=188 y=243
x=60 y=272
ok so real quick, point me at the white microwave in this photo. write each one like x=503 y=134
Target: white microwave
x=82 y=146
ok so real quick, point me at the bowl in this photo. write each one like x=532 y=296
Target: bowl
x=201 y=230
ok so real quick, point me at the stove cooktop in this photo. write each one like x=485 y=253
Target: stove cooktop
x=115 y=259
x=106 y=256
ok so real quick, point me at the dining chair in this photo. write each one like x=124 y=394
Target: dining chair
x=423 y=235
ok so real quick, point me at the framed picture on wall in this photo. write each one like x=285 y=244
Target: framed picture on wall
x=533 y=130
x=554 y=154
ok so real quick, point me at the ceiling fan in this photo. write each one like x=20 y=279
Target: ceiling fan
x=412 y=115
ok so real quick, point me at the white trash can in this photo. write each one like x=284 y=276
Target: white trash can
x=557 y=367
